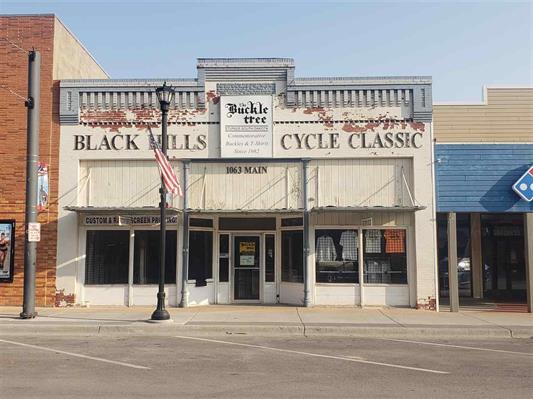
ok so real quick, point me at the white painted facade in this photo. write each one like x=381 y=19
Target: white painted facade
x=369 y=167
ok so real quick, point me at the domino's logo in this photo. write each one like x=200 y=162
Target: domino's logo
x=524 y=186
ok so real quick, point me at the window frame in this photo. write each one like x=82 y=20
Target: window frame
x=407 y=255
x=82 y=245
x=83 y=273
x=359 y=260
x=281 y=231
x=360 y=229
x=133 y=236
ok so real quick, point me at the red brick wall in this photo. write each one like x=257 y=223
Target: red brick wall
x=28 y=32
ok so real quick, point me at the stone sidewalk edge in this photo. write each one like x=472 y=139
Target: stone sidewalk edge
x=270 y=330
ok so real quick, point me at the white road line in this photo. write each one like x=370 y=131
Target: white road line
x=99 y=359
x=456 y=346
x=347 y=359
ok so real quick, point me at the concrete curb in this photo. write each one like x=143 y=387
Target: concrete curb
x=143 y=328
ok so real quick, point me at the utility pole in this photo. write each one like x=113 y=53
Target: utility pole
x=32 y=159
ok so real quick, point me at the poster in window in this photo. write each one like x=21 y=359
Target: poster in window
x=7 y=250
x=42 y=187
x=247 y=253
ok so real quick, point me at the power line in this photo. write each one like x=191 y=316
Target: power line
x=14 y=44
x=14 y=93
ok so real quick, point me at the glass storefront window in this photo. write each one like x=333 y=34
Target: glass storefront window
x=146 y=257
x=223 y=258
x=200 y=256
x=464 y=272
x=270 y=257
x=292 y=222
x=292 y=256
x=107 y=257
x=336 y=254
x=385 y=256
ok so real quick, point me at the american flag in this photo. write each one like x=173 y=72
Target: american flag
x=169 y=177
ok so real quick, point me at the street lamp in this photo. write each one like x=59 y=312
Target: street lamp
x=165 y=94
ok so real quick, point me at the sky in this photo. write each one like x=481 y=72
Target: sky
x=462 y=45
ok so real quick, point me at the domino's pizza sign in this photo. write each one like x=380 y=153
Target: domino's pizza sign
x=524 y=186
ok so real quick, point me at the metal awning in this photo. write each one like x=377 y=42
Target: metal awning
x=118 y=209
x=248 y=211
x=367 y=209
x=295 y=211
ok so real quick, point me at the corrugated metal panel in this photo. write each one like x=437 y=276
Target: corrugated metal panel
x=507 y=117
x=119 y=183
x=361 y=182
x=356 y=219
x=479 y=177
x=277 y=187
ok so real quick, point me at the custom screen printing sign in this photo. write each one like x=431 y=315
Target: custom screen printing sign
x=524 y=186
x=7 y=250
x=246 y=126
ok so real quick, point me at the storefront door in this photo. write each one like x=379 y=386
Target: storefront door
x=246 y=267
x=503 y=257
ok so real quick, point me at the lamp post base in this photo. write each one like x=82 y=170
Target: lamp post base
x=24 y=315
x=160 y=314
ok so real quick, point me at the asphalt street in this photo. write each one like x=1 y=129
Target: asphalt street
x=250 y=367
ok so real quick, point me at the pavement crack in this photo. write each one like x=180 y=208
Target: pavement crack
x=191 y=318
x=301 y=321
x=390 y=318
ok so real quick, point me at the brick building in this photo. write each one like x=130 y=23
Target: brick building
x=62 y=57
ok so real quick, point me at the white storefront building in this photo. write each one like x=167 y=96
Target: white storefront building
x=305 y=191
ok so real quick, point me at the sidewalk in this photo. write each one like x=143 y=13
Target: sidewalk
x=270 y=321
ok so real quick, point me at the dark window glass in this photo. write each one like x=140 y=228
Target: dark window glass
x=200 y=256
x=146 y=257
x=292 y=256
x=195 y=222
x=246 y=256
x=223 y=260
x=107 y=257
x=385 y=256
x=504 y=263
x=270 y=256
x=291 y=222
x=464 y=273
x=247 y=224
x=337 y=254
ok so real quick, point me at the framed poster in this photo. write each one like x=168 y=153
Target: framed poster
x=7 y=250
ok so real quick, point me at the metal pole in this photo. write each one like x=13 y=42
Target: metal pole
x=453 y=283
x=185 y=263
x=528 y=230
x=161 y=313
x=307 y=275
x=30 y=248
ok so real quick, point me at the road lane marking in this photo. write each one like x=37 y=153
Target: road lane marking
x=99 y=359
x=348 y=359
x=456 y=346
